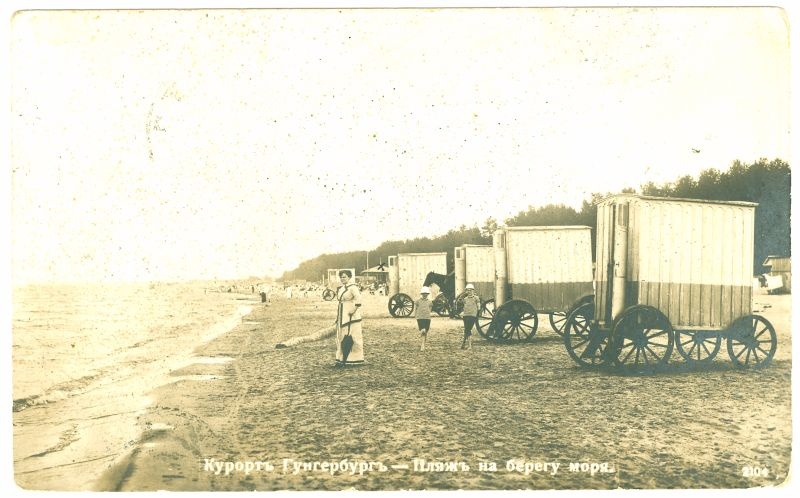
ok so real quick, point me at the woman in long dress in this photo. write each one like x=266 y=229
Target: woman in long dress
x=348 y=321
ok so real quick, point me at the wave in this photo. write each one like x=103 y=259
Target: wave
x=56 y=392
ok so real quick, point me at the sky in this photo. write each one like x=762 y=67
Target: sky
x=201 y=144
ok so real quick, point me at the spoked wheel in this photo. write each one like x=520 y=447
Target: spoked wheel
x=698 y=346
x=642 y=339
x=751 y=342
x=485 y=316
x=328 y=295
x=585 y=341
x=458 y=306
x=559 y=318
x=557 y=321
x=514 y=321
x=441 y=305
x=401 y=305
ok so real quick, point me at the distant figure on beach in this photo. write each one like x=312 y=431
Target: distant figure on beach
x=264 y=290
x=422 y=312
x=289 y=292
x=472 y=305
x=348 y=321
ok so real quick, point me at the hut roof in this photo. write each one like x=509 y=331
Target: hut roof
x=778 y=263
x=376 y=270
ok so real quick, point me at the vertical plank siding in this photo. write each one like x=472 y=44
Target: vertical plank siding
x=480 y=269
x=690 y=259
x=414 y=267
x=550 y=267
x=603 y=256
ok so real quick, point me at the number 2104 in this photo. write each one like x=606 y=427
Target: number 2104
x=754 y=471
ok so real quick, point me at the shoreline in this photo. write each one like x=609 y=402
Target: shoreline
x=95 y=424
x=121 y=469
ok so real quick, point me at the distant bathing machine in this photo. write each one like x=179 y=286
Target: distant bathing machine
x=527 y=271
x=780 y=268
x=407 y=273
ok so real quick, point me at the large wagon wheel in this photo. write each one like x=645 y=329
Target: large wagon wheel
x=641 y=338
x=559 y=318
x=514 y=321
x=441 y=305
x=485 y=316
x=328 y=295
x=557 y=321
x=401 y=305
x=698 y=346
x=748 y=337
x=584 y=340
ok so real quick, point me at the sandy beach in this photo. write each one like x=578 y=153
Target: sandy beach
x=245 y=403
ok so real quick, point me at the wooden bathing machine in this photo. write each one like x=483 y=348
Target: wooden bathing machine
x=407 y=272
x=539 y=269
x=671 y=273
x=549 y=267
x=781 y=267
x=691 y=259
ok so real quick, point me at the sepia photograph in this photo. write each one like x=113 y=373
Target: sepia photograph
x=380 y=248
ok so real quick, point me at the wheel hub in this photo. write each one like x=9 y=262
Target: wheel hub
x=748 y=339
x=639 y=339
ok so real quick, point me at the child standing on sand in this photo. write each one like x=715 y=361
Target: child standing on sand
x=422 y=312
x=472 y=305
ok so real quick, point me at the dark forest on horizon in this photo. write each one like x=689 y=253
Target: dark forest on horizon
x=767 y=183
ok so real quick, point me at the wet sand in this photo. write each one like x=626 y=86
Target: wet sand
x=85 y=362
x=508 y=404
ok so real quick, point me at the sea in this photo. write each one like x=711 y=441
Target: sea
x=84 y=360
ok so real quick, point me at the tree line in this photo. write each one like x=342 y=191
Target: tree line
x=767 y=183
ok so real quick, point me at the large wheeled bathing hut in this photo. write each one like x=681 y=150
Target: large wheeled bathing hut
x=407 y=272
x=671 y=274
x=543 y=269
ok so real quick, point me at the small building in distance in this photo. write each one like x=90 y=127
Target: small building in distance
x=780 y=266
x=377 y=274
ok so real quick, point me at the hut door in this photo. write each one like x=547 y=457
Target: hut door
x=394 y=276
x=460 y=269
x=619 y=260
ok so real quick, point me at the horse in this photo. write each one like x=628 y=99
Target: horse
x=446 y=283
